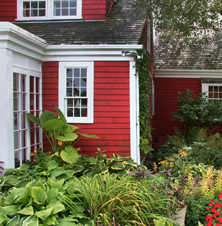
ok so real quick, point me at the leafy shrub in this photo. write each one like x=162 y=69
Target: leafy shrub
x=196 y=209
x=197 y=111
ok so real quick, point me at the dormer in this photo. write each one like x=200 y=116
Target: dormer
x=49 y=9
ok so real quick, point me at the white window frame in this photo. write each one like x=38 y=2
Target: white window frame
x=49 y=11
x=90 y=90
x=205 y=89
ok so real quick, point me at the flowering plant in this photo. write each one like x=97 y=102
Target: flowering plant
x=214 y=218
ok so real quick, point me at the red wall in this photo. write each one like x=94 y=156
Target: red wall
x=91 y=9
x=111 y=106
x=166 y=97
x=8 y=10
x=94 y=9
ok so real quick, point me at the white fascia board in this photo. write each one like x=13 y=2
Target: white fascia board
x=88 y=52
x=17 y=39
x=170 y=73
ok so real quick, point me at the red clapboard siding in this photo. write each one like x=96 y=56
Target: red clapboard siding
x=8 y=10
x=109 y=5
x=166 y=97
x=111 y=110
x=94 y=9
x=111 y=107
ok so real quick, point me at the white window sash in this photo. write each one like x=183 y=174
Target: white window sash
x=90 y=90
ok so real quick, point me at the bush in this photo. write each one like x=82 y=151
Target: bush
x=196 y=209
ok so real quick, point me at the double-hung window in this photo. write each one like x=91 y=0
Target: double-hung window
x=213 y=88
x=76 y=91
x=49 y=9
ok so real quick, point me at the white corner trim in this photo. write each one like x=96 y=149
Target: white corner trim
x=170 y=73
x=134 y=113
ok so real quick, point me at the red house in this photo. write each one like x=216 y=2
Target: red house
x=75 y=54
x=179 y=67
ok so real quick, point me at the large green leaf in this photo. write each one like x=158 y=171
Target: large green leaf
x=13 y=221
x=61 y=116
x=31 y=221
x=39 y=195
x=18 y=195
x=53 y=125
x=67 y=137
x=44 y=214
x=47 y=116
x=52 y=194
x=70 y=129
x=51 y=220
x=9 y=210
x=3 y=218
x=57 y=207
x=34 y=119
x=118 y=166
x=57 y=172
x=87 y=135
x=69 y=155
x=26 y=211
x=54 y=184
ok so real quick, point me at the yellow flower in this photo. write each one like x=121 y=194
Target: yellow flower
x=32 y=154
x=163 y=162
x=78 y=149
x=183 y=153
x=57 y=153
x=172 y=160
x=171 y=165
x=60 y=143
x=35 y=151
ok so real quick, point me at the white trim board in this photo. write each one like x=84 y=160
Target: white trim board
x=167 y=73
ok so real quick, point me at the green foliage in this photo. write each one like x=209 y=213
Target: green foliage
x=201 y=142
x=162 y=222
x=122 y=202
x=145 y=90
x=196 y=209
x=182 y=19
x=197 y=111
x=57 y=129
x=43 y=192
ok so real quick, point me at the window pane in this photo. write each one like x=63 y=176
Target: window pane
x=83 y=82
x=76 y=72
x=84 y=102
x=42 y=5
x=73 y=12
x=83 y=92
x=76 y=112
x=65 y=4
x=73 y=3
x=57 y=4
x=70 y=112
x=76 y=92
x=70 y=103
x=26 y=5
x=69 y=92
x=34 y=5
x=65 y=12
x=69 y=82
x=76 y=82
x=84 y=112
x=83 y=72
x=69 y=72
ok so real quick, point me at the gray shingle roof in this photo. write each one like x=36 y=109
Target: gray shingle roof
x=123 y=26
x=174 y=56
